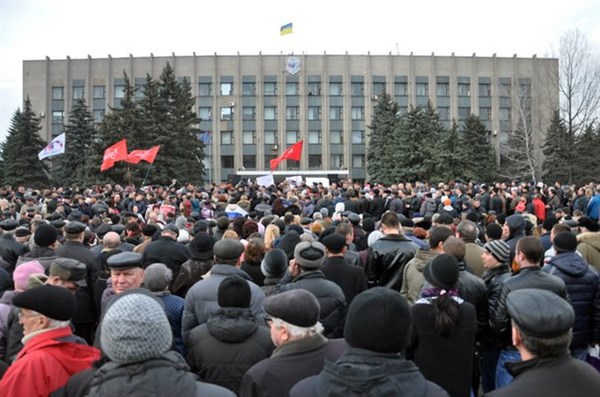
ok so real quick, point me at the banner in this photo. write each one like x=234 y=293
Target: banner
x=293 y=152
x=117 y=152
x=56 y=146
x=266 y=180
x=147 y=155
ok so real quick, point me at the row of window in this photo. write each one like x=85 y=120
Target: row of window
x=291 y=137
x=291 y=113
x=315 y=161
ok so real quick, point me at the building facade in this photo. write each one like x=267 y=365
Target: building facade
x=253 y=107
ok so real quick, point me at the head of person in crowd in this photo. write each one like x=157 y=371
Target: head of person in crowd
x=24 y=271
x=74 y=231
x=444 y=219
x=22 y=234
x=335 y=244
x=234 y=291
x=67 y=273
x=529 y=252
x=495 y=253
x=271 y=235
x=8 y=226
x=228 y=252
x=126 y=271
x=493 y=231
x=390 y=224
x=255 y=251
x=44 y=307
x=564 y=242
x=308 y=256
x=157 y=277
x=111 y=241
x=274 y=264
x=288 y=242
x=467 y=231
x=442 y=275
x=171 y=231
x=135 y=328
x=201 y=247
x=346 y=230
x=541 y=323
x=587 y=225
x=293 y=315
x=455 y=247
x=378 y=320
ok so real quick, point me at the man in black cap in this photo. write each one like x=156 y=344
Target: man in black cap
x=583 y=288
x=85 y=317
x=377 y=331
x=168 y=251
x=529 y=253
x=148 y=230
x=52 y=354
x=202 y=298
x=10 y=249
x=351 y=279
x=301 y=349
x=304 y=272
x=44 y=246
x=126 y=272
x=541 y=331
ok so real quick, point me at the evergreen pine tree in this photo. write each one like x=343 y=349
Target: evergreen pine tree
x=556 y=162
x=451 y=155
x=382 y=143
x=71 y=167
x=477 y=151
x=21 y=148
x=588 y=161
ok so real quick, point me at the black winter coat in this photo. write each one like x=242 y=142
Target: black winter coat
x=351 y=279
x=386 y=259
x=493 y=279
x=168 y=251
x=583 y=287
x=364 y=373
x=224 y=348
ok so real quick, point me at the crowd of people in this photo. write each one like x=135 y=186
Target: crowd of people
x=415 y=289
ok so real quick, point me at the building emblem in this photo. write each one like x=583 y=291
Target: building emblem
x=292 y=65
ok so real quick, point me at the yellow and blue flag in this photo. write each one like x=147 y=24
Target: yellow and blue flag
x=286 y=29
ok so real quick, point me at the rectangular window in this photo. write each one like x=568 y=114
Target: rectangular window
x=249 y=89
x=444 y=113
x=226 y=89
x=58 y=93
x=463 y=112
x=335 y=89
x=99 y=92
x=358 y=161
x=358 y=137
x=358 y=113
x=249 y=161
x=485 y=113
x=464 y=89
x=400 y=89
x=271 y=137
x=422 y=89
x=485 y=90
x=205 y=113
x=227 y=162
x=204 y=89
x=291 y=88
x=314 y=112
x=292 y=113
x=314 y=137
x=248 y=137
x=378 y=88
x=249 y=113
x=292 y=137
x=336 y=161
x=119 y=91
x=314 y=89
x=98 y=115
x=357 y=89
x=315 y=161
x=270 y=88
x=226 y=138
x=505 y=89
x=78 y=92
x=139 y=91
x=335 y=113
x=336 y=137
x=442 y=89
x=227 y=113
x=270 y=113
x=58 y=117
x=504 y=114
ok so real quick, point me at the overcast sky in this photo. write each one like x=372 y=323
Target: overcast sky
x=34 y=29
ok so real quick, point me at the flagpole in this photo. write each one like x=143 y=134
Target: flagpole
x=147 y=173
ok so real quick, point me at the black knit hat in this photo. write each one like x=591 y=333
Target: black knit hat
x=275 y=263
x=565 y=242
x=442 y=272
x=494 y=231
x=379 y=320
x=53 y=302
x=45 y=235
x=201 y=246
x=234 y=291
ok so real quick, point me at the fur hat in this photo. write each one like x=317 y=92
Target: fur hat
x=309 y=255
x=442 y=272
x=234 y=291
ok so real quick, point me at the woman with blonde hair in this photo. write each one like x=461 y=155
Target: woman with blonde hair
x=271 y=234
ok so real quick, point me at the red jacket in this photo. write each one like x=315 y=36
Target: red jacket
x=46 y=363
x=539 y=209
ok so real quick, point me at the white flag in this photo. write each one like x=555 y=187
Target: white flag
x=56 y=146
x=266 y=180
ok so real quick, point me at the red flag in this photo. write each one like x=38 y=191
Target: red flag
x=147 y=155
x=293 y=152
x=117 y=152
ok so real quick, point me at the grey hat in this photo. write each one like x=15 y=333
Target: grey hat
x=499 y=250
x=157 y=277
x=297 y=307
x=172 y=228
x=68 y=269
x=354 y=218
x=75 y=227
x=102 y=229
x=227 y=248
x=124 y=260
x=135 y=328
x=540 y=313
x=309 y=254
x=275 y=263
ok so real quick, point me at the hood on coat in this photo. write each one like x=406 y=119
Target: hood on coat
x=592 y=239
x=423 y=257
x=515 y=223
x=232 y=325
x=570 y=263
